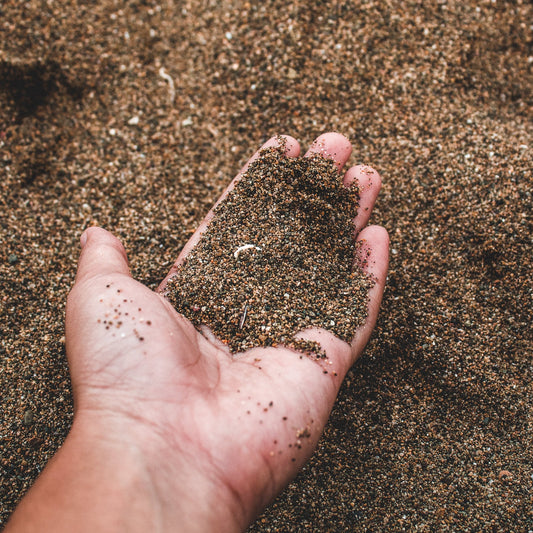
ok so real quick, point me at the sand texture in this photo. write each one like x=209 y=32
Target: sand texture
x=285 y=265
x=136 y=115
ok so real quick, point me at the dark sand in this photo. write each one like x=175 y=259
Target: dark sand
x=277 y=258
x=432 y=430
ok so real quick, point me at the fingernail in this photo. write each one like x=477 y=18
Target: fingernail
x=83 y=239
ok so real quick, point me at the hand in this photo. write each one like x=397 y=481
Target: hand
x=206 y=439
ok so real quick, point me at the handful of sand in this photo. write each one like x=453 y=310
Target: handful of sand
x=277 y=258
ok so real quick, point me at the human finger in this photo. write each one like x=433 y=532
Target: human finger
x=373 y=259
x=369 y=183
x=102 y=253
x=332 y=146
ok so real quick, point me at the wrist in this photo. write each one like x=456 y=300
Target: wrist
x=171 y=485
x=112 y=475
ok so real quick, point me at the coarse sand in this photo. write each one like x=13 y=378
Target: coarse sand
x=136 y=115
x=278 y=257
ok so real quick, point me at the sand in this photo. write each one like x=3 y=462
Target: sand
x=432 y=428
x=277 y=258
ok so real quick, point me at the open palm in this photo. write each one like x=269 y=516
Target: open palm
x=238 y=426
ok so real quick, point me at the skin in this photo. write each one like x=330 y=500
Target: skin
x=170 y=432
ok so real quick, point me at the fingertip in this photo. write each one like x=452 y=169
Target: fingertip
x=332 y=145
x=101 y=253
x=376 y=234
x=97 y=235
x=292 y=146
x=365 y=176
x=334 y=139
x=292 y=149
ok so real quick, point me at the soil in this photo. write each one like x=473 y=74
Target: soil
x=135 y=116
x=277 y=258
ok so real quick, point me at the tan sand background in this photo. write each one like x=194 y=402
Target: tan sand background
x=432 y=429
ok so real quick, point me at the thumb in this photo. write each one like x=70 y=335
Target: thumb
x=102 y=253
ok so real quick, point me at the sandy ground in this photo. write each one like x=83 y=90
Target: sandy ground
x=432 y=428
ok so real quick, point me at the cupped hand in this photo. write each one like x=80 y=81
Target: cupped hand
x=221 y=435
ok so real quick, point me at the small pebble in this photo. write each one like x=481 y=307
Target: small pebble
x=28 y=418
